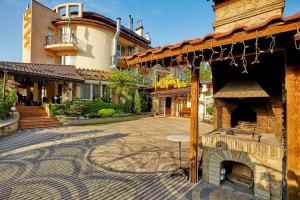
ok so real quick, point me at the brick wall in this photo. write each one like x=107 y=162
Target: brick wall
x=269 y=115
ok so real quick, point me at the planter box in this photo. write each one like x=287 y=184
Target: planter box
x=86 y=121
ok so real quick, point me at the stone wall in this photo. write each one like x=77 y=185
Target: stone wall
x=245 y=12
x=9 y=125
x=265 y=161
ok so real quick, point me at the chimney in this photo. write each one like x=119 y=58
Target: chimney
x=129 y=23
x=115 y=44
x=139 y=29
x=230 y=13
x=147 y=36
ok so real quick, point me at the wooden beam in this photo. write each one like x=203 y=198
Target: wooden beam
x=293 y=125
x=194 y=127
x=215 y=42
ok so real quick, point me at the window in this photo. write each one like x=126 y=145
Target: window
x=123 y=51
x=96 y=91
x=85 y=91
x=67 y=60
x=131 y=50
x=49 y=59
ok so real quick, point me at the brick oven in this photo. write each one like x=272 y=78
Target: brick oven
x=245 y=147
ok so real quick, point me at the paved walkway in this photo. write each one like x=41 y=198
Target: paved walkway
x=128 y=160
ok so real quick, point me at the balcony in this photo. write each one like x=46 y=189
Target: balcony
x=64 y=42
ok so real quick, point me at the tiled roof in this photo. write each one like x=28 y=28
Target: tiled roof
x=271 y=22
x=45 y=71
x=98 y=75
x=172 y=92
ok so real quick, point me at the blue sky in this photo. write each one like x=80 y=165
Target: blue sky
x=168 y=21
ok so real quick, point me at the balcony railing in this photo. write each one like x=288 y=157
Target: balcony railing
x=61 y=39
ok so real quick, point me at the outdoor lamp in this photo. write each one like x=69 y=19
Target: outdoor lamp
x=13 y=109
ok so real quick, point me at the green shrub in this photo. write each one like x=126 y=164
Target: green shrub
x=5 y=107
x=57 y=109
x=94 y=115
x=209 y=110
x=137 y=103
x=107 y=112
x=75 y=108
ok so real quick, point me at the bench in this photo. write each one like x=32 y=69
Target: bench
x=185 y=112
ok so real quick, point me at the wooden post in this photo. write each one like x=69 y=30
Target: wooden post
x=194 y=127
x=293 y=125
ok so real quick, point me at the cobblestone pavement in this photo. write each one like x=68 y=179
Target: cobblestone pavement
x=127 y=160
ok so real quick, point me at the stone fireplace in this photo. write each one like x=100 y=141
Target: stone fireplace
x=245 y=147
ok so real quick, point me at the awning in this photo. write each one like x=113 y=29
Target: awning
x=43 y=71
x=241 y=89
x=98 y=75
x=181 y=92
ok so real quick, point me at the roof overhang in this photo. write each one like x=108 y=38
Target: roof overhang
x=42 y=71
x=275 y=25
x=241 y=89
x=178 y=92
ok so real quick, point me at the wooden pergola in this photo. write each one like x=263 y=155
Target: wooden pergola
x=241 y=47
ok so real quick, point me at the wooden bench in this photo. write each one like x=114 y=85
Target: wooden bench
x=185 y=112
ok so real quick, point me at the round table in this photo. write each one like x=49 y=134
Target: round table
x=179 y=139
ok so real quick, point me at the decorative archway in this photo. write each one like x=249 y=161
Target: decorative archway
x=260 y=173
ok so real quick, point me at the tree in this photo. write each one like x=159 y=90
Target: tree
x=205 y=72
x=125 y=83
x=137 y=103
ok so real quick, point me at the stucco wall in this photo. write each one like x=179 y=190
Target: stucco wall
x=41 y=21
x=95 y=48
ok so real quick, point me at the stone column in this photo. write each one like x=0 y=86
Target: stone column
x=70 y=92
x=101 y=89
x=35 y=92
x=91 y=91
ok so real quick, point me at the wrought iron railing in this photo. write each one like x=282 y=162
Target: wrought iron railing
x=61 y=39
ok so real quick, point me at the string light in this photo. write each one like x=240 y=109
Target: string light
x=257 y=50
x=221 y=52
x=296 y=36
x=230 y=54
x=273 y=41
x=213 y=52
x=244 y=60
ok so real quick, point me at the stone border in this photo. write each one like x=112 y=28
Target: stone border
x=9 y=125
x=261 y=175
x=86 y=121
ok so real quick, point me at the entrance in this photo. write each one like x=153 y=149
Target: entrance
x=168 y=106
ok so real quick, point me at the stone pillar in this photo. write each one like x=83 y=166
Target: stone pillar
x=91 y=91
x=35 y=92
x=70 y=92
x=78 y=91
x=101 y=89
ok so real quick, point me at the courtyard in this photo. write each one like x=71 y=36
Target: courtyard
x=127 y=160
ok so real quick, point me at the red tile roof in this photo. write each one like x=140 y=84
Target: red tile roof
x=272 y=21
x=93 y=74
x=44 y=71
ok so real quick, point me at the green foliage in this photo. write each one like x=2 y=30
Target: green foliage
x=75 y=108
x=209 y=110
x=107 y=112
x=8 y=102
x=137 y=103
x=205 y=72
x=125 y=83
x=129 y=106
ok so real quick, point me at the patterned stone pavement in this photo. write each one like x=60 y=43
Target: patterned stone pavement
x=127 y=160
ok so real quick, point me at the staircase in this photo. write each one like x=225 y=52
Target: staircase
x=35 y=117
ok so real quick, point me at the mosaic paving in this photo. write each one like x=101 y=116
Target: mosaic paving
x=128 y=160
